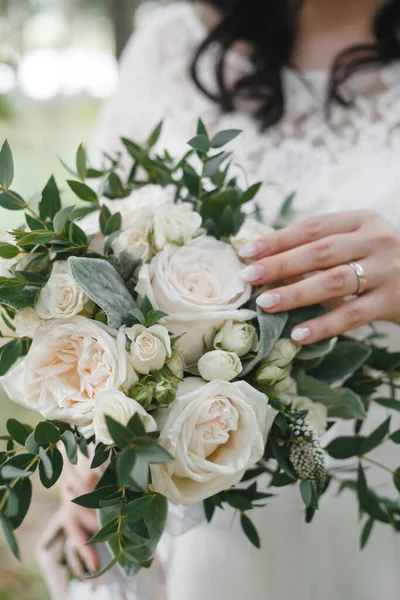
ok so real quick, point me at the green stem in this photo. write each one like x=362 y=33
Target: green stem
x=377 y=464
x=20 y=202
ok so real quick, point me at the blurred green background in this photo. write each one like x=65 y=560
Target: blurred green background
x=58 y=65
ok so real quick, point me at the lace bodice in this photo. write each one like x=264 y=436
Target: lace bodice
x=350 y=162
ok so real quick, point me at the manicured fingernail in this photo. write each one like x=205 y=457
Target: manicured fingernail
x=300 y=334
x=251 y=250
x=253 y=272
x=268 y=300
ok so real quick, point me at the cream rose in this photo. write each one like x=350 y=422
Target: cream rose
x=219 y=364
x=283 y=353
x=270 y=374
x=317 y=412
x=68 y=364
x=200 y=287
x=249 y=232
x=61 y=297
x=150 y=347
x=175 y=224
x=135 y=238
x=215 y=431
x=113 y=403
x=237 y=337
x=27 y=322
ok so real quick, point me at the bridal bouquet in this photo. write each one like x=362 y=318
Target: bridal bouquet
x=128 y=326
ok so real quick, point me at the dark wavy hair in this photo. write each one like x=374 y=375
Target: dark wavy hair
x=270 y=27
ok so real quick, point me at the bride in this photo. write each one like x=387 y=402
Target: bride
x=315 y=86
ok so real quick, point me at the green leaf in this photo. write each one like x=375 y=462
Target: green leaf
x=9 y=472
x=9 y=354
x=33 y=224
x=105 y=569
x=125 y=462
x=6 y=166
x=250 y=531
x=37 y=237
x=343 y=361
x=317 y=350
x=8 y=251
x=50 y=467
x=306 y=490
x=102 y=283
x=201 y=129
x=10 y=537
x=191 y=180
x=114 y=224
x=342 y=403
x=395 y=437
x=152 y=452
x=345 y=447
x=50 y=204
x=105 y=532
x=135 y=510
x=22 y=462
x=251 y=193
x=140 y=472
x=46 y=433
x=155 y=135
x=18 y=431
x=100 y=456
x=270 y=327
x=81 y=162
x=213 y=164
x=83 y=191
x=366 y=532
x=24 y=298
x=61 y=218
x=71 y=446
x=200 y=143
x=23 y=490
x=92 y=500
x=12 y=203
x=224 y=137
x=209 y=509
x=396 y=479
x=376 y=437
x=83 y=211
x=121 y=435
x=136 y=425
x=388 y=403
x=76 y=235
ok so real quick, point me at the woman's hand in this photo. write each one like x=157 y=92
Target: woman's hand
x=323 y=246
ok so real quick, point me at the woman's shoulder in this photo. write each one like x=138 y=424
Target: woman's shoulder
x=166 y=30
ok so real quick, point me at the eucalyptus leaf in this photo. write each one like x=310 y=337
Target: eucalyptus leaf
x=50 y=203
x=102 y=283
x=24 y=298
x=6 y=166
x=9 y=354
x=343 y=361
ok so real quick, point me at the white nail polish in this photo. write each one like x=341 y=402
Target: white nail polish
x=253 y=273
x=251 y=250
x=300 y=334
x=268 y=300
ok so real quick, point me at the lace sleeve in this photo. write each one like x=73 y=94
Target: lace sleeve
x=141 y=99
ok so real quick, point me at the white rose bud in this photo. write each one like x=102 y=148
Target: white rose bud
x=219 y=364
x=115 y=404
x=175 y=224
x=283 y=353
x=176 y=366
x=61 y=297
x=270 y=374
x=238 y=337
x=150 y=347
x=317 y=412
x=135 y=239
x=286 y=386
x=26 y=323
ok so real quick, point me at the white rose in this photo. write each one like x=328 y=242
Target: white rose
x=219 y=364
x=270 y=374
x=113 y=403
x=249 y=232
x=317 y=412
x=283 y=353
x=287 y=386
x=68 y=364
x=150 y=347
x=200 y=287
x=61 y=297
x=215 y=431
x=26 y=323
x=237 y=337
x=175 y=224
x=135 y=238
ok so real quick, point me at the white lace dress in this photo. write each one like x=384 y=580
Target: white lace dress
x=352 y=162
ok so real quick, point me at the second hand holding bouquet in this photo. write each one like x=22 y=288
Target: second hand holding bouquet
x=135 y=333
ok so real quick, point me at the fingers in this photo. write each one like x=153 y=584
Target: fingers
x=78 y=551
x=323 y=254
x=349 y=316
x=320 y=288
x=308 y=231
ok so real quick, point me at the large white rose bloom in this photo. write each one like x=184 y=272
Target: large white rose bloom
x=150 y=347
x=68 y=364
x=61 y=297
x=113 y=403
x=215 y=431
x=199 y=286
